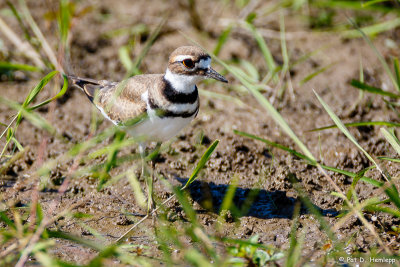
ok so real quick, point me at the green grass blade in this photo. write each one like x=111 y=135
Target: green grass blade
x=397 y=71
x=301 y=156
x=6 y=220
x=392 y=139
x=373 y=29
x=358 y=124
x=60 y=94
x=206 y=156
x=64 y=21
x=76 y=239
x=355 y=181
x=7 y=66
x=269 y=60
x=152 y=38
x=379 y=55
x=17 y=15
x=373 y=2
x=229 y=195
x=376 y=208
x=36 y=90
x=225 y=97
x=346 y=132
x=273 y=112
x=291 y=151
x=32 y=117
x=315 y=73
x=372 y=89
x=222 y=39
x=353 y=5
x=389 y=159
x=124 y=57
x=294 y=251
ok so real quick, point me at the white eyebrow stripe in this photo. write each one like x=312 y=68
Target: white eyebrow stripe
x=182 y=57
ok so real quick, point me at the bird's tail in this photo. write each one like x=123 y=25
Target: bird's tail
x=88 y=86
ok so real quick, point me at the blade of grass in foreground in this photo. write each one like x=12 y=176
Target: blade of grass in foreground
x=389 y=159
x=371 y=89
x=379 y=55
x=206 y=156
x=397 y=70
x=315 y=73
x=268 y=58
x=346 y=132
x=373 y=29
x=24 y=110
x=391 y=138
x=358 y=124
x=7 y=66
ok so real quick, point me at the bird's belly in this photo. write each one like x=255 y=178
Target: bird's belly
x=159 y=129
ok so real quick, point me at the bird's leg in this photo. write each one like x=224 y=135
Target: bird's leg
x=142 y=152
x=147 y=178
x=151 y=204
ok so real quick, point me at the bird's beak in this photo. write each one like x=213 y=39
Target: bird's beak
x=210 y=73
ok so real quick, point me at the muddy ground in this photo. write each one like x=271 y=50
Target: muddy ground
x=95 y=54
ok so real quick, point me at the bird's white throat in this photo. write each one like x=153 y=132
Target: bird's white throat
x=182 y=83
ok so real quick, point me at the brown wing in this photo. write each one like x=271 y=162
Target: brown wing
x=119 y=101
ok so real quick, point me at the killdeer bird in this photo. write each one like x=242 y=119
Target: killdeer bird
x=170 y=100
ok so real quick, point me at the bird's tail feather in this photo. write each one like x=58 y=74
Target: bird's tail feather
x=88 y=86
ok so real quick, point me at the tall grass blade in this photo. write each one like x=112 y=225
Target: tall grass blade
x=397 y=71
x=202 y=163
x=23 y=46
x=269 y=60
x=6 y=220
x=372 y=89
x=379 y=55
x=315 y=73
x=309 y=161
x=358 y=124
x=64 y=21
x=19 y=19
x=294 y=250
x=32 y=117
x=392 y=139
x=222 y=40
x=373 y=29
x=389 y=159
x=343 y=128
x=224 y=97
x=229 y=195
x=35 y=28
x=7 y=66
x=149 y=43
x=353 y=5
x=357 y=178
x=58 y=95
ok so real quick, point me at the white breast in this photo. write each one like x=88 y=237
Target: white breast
x=159 y=129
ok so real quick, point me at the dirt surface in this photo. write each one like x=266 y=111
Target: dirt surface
x=256 y=166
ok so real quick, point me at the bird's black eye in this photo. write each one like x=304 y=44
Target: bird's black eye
x=188 y=63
